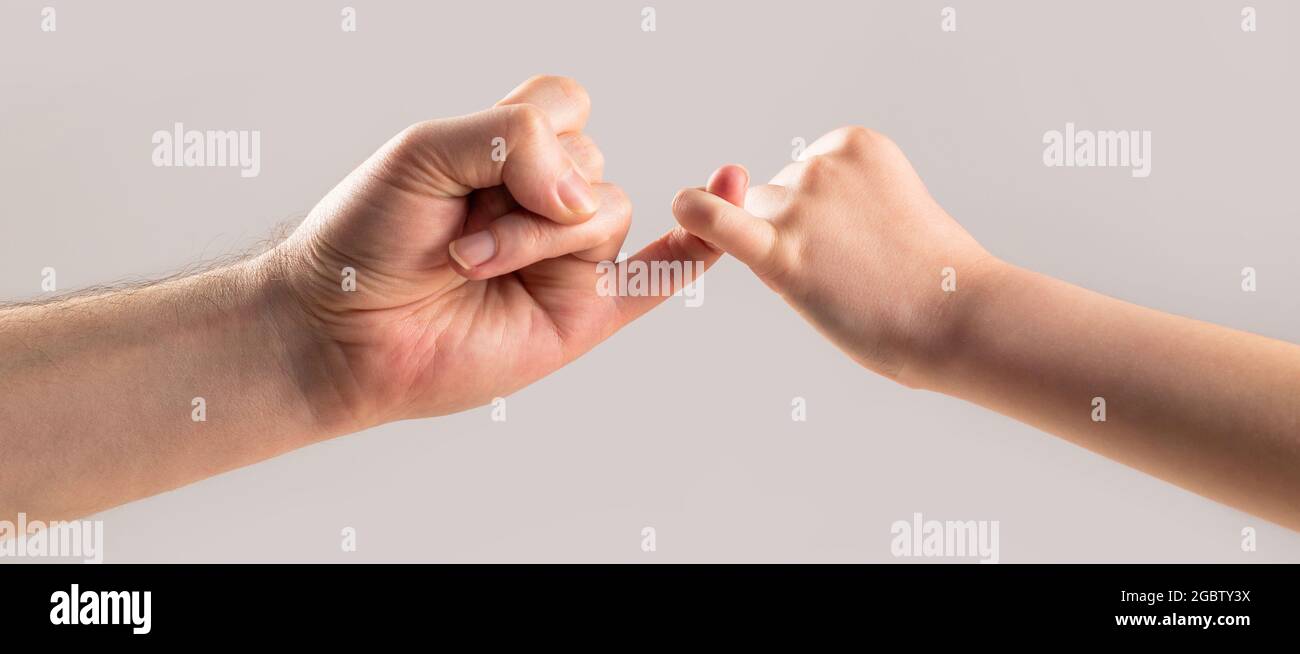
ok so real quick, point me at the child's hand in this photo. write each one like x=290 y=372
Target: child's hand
x=850 y=237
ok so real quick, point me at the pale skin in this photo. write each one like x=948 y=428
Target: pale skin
x=97 y=409
x=852 y=240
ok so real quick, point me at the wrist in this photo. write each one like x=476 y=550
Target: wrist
x=982 y=283
x=309 y=364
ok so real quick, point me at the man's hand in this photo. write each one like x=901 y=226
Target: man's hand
x=474 y=275
x=474 y=242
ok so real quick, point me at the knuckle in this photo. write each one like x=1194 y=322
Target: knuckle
x=412 y=138
x=854 y=138
x=527 y=234
x=584 y=149
x=569 y=87
x=603 y=230
x=595 y=157
x=857 y=134
x=565 y=86
x=816 y=169
x=527 y=122
x=867 y=142
x=536 y=80
x=617 y=201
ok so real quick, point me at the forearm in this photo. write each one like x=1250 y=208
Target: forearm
x=1212 y=409
x=99 y=402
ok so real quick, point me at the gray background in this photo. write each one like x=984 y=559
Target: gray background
x=681 y=422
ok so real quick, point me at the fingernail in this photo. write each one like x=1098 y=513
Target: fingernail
x=576 y=194
x=474 y=250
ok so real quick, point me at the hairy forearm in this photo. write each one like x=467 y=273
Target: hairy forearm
x=100 y=403
x=1212 y=409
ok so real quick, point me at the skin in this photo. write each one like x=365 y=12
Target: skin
x=96 y=408
x=97 y=403
x=852 y=240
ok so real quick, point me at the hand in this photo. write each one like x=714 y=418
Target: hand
x=473 y=277
x=850 y=237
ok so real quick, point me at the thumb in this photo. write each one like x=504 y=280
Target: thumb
x=717 y=216
x=515 y=146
